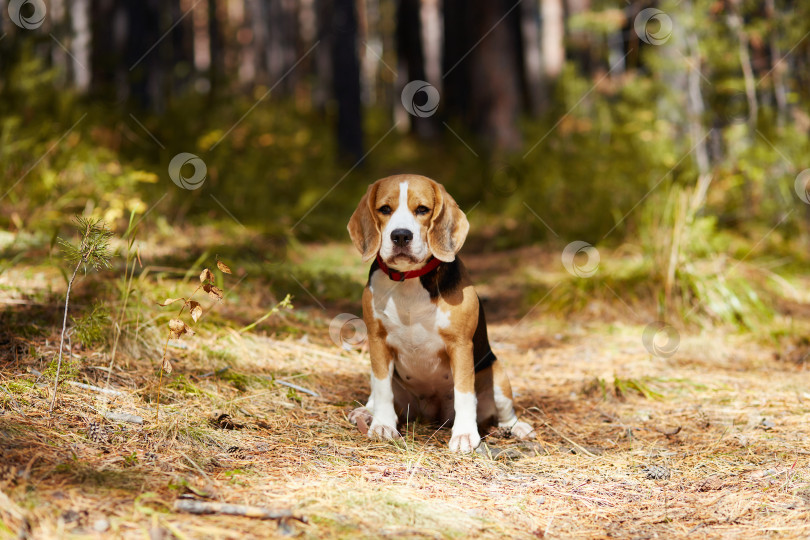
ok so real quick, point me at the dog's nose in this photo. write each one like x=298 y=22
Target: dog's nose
x=401 y=237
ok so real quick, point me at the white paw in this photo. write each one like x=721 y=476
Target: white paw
x=384 y=432
x=464 y=442
x=361 y=413
x=522 y=430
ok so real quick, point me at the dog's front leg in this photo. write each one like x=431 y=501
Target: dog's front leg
x=465 y=436
x=381 y=402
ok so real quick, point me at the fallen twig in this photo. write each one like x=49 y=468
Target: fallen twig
x=299 y=388
x=107 y=391
x=123 y=417
x=217 y=372
x=200 y=507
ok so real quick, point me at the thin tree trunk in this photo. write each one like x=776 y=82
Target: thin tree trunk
x=579 y=42
x=60 y=28
x=536 y=97
x=139 y=76
x=258 y=16
x=346 y=80
x=371 y=52
x=736 y=24
x=411 y=66
x=182 y=53
x=281 y=43
x=322 y=90
x=62 y=336
x=777 y=69
x=552 y=16
x=80 y=43
x=430 y=20
x=696 y=109
x=495 y=73
x=455 y=68
x=216 y=49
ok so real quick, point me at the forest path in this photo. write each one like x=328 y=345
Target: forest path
x=710 y=442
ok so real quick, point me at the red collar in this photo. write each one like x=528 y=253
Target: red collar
x=431 y=265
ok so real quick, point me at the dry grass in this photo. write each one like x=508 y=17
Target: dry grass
x=723 y=416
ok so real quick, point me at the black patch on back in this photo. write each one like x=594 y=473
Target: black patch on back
x=374 y=267
x=444 y=278
x=482 y=352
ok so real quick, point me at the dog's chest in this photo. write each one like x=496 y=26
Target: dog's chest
x=412 y=322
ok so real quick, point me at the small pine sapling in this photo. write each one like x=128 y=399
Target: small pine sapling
x=93 y=251
x=178 y=327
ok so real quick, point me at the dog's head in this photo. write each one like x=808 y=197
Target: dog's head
x=406 y=219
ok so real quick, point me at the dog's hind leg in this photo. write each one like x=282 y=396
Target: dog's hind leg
x=507 y=418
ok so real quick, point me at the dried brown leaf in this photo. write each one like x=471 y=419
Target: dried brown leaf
x=223 y=267
x=214 y=292
x=206 y=275
x=167 y=366
x=169 y=301
x=178 y=328
x=196 y=310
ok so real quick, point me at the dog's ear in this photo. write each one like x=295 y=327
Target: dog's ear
x=448 y=227
x=363 y=226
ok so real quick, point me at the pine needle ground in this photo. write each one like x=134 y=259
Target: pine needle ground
x=712 y=442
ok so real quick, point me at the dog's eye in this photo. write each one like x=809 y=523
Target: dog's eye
x=385 y=209
x=421 y=210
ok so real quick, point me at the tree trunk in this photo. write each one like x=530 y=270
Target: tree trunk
x=281 y=51
x=735 y=22
x=181 y=57
x=536 y=96
x=495 y=73
x=139 y=77
x=58 y=20
x=777 y=67
x=411 y=53
x=579 y=41
x=322 y=90
x=430 y=20
x=695 y=111
x=552 y=15
x=80 y=43
x=215 y=50
x=455 y=68
x=346 y=80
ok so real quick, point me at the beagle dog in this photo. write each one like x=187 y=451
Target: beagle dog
x=427 y=337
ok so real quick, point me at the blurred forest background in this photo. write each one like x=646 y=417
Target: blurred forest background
x=676 y=127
